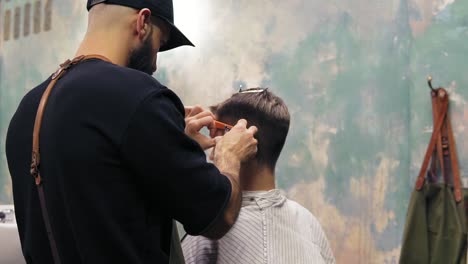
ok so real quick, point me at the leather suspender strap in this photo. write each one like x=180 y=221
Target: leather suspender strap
x=45 y=217
x=442 y=148
x=454 y=162
x=443 y=139
x=442 y=95
x=36 y=158
x=437 y=154
x=447 y=153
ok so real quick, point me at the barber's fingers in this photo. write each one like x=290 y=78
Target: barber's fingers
x=211 y=157
x=216 y=132
x=188 y=110
x=253 y=130
x=199 y=115
x=213 y=132
x=241 y=125
x=251 y=143
x=204 y=141
x=216 y=140
x=195 y=110
x=195 y=125
x=191 y=111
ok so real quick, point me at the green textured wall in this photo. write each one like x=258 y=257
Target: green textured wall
x=352 y=73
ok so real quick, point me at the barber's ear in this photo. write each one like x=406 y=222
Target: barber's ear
x=143 y=23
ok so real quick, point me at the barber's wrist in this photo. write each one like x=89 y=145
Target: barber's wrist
x=228 y=164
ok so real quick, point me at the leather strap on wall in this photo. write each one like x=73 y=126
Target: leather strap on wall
x=448 y=155
x=437 y=157
x=36 y=157
x=454 y=162
x=442 y=148
x=443 y=139
x=443 y=97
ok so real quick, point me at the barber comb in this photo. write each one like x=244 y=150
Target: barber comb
x=222 y=126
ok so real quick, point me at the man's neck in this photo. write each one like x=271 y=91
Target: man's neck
x=256 y=178
x=104 y=44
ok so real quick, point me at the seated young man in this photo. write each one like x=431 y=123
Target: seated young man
x=270 y=227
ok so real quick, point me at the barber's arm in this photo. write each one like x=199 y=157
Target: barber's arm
x=235 y=147
x=172 y=172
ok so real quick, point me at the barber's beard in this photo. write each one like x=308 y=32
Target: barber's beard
x=142 y=59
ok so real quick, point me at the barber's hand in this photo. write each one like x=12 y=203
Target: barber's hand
x=195 y=119
x=239 y=143
x=212 y=154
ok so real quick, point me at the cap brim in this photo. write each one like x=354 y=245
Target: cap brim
x=176 y=39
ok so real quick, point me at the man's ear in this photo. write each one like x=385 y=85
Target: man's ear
x=143 y=23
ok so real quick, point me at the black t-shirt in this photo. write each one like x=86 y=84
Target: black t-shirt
x=116 y=167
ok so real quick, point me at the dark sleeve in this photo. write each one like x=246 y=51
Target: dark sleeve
x=170 y=167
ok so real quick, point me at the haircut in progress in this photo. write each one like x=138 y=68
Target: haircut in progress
x=270 y=228
x=264 y=110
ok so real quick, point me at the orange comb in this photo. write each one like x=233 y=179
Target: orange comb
x=222 y=126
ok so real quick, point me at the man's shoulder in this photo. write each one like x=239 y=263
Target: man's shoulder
x=301 y=212
x=31 y=99
x=112 y=85
x=101 y=72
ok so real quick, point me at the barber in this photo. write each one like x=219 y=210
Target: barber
x=120 y=159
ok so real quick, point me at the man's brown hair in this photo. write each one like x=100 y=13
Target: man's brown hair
x=266 y=111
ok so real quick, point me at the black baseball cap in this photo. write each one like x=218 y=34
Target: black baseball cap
x=162 y=9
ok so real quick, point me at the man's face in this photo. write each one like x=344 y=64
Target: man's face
x=145 y=58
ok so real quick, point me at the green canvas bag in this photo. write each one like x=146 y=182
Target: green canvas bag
x=435 y=230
